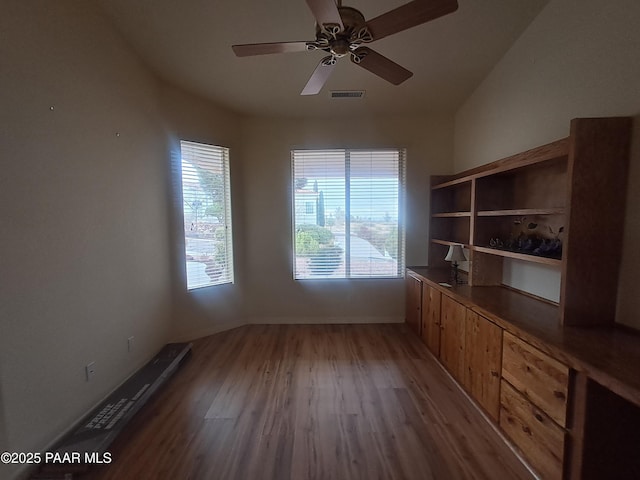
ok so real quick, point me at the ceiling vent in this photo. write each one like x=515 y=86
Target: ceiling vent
x=347 y=93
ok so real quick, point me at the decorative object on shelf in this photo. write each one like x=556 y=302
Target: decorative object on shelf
x=531 y=243
x=496 y=243
x=524 y=242
x=455 y=255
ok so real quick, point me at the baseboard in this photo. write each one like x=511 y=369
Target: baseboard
x=205 y=332
x=27 y=471
x=321 y=320
x=196 y=334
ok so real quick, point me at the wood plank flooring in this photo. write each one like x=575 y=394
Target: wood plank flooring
x=310 y=402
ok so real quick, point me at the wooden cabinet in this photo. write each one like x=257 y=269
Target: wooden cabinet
x=533 y=404
x=452 y=325
x=483 y=360
x=431 y=299
x=540 y=440
x=568 y=398
x=413 y=315
x=548 y=205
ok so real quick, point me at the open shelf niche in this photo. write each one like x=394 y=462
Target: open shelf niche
x=552 y=205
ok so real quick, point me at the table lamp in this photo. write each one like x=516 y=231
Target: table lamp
x=455 y=255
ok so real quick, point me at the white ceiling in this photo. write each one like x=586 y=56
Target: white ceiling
x=188 y=43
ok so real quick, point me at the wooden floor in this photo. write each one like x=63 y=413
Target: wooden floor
x=310 y=402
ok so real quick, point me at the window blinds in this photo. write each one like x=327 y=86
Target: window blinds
x=206 y=202
x=347 y=213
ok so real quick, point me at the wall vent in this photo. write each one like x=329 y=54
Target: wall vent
x=347 y=93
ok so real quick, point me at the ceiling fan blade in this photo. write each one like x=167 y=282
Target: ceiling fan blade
x=325 y=12
x=380 y=65
x=319 y=77
x=251 y=49
x=409 y=15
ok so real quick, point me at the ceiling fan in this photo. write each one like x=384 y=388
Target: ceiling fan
x=342 y=31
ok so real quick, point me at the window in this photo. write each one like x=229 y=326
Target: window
x=355 y=229
x=206 y=203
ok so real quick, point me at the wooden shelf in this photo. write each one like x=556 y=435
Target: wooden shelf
x=523 y=212
x=557 y=150
x=450 y=183
x=451 y=214
x=447 y=242
x=517 y=255
x=532 y=196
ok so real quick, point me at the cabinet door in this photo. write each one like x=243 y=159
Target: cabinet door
x=452 y=319
x=483 y=359
x=414 y=300
x=431 y=318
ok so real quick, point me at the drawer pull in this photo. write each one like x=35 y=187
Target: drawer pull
x=494 y=373
x=538 y=417
x=526 y=430
x=559 y=395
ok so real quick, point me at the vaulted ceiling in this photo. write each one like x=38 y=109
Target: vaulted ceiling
x=188 y=43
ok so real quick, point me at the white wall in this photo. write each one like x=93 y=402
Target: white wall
x=208 y=310
x=271 y=294
x=578 y=58
x=84 y=260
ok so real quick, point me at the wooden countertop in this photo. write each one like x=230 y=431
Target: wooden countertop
x=609 y=356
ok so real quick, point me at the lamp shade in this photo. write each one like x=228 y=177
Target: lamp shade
x=455 y=254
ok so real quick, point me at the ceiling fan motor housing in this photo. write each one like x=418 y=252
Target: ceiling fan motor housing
x=341 y=42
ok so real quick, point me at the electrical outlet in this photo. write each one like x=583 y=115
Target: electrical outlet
x=90 y=370
x=130 y=343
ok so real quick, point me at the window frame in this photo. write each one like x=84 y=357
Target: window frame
x=189 y=148
x=348 y=200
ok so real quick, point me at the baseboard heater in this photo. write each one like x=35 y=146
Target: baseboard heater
x=88 y=443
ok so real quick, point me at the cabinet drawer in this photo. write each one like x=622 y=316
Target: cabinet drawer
x=539 y=377
x=531 y=430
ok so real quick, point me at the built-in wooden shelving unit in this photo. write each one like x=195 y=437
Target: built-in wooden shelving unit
x=549 y=385
x=570 y=192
